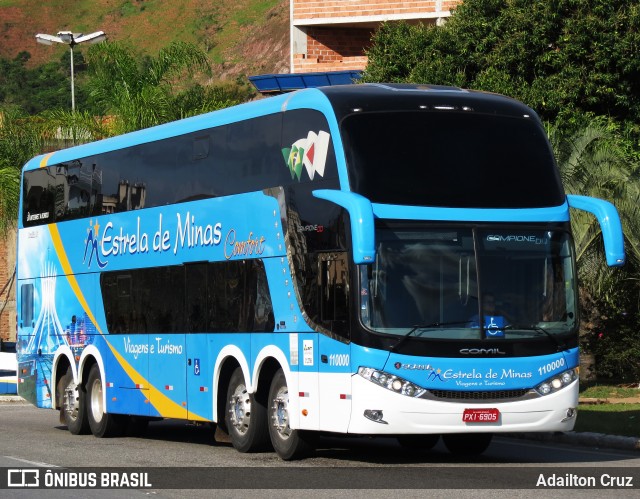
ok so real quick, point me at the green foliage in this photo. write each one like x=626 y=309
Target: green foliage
x=40 y=88
x=140 y=94
x=567 y=59
x=609 y=419
x=20 y=140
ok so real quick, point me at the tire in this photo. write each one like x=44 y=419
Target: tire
x=467 y=444
x=289 y=444
x=101 y=423
x=245 y=416
x=71 y=399
x=418 y=442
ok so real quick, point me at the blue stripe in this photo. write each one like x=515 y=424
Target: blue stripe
x=553 y=214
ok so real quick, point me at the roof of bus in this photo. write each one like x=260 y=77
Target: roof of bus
x=338 y=101
x=407 y=97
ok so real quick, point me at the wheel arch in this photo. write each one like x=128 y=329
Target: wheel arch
x=268 y=361
x=62 y=361
x=229 y=358
x=90 y=357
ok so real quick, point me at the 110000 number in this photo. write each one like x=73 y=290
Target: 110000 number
x=551 y=366
x=339 y=359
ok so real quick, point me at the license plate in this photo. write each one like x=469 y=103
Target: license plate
x=480 y=416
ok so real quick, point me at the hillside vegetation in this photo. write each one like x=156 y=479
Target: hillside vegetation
x=241 y=37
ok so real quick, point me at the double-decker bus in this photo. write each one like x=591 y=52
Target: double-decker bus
x=388 y=260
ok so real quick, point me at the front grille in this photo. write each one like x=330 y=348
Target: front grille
x=455 y=396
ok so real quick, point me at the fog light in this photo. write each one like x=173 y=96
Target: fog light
x=571 y=413
x=374 y=415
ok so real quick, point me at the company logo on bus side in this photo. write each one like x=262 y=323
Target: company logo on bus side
x=310 y=152
x=188 y=233
x=92 y=243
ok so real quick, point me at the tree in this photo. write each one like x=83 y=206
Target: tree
x=20 y=140
x=140 y=94
x=594 y=162
x=567 y=59
x=34 y=90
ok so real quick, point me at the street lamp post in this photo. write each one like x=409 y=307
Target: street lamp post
x=71 y=39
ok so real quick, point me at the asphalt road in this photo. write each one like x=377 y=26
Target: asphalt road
x=191 y=458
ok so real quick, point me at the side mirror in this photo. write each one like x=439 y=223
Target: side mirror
x=610 y=225
x=362 y=226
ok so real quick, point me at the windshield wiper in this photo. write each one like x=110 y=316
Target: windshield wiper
x=423 y=326
x=531 y=327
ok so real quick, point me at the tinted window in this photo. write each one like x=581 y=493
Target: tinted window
x=450 y=159
x=246 y=156
x=203 y=297
x=26 y=304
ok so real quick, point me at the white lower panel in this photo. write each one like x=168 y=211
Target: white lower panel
x=406 y=415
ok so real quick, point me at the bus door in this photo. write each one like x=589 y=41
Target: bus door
x=167 y=347
x=127 y=380
x=198 y=370
x=199 y=377
x=334 y=350
x=167 y=360
x=27 y=369
x=127 y=369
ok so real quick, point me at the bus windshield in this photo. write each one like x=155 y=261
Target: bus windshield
x=470 y=283
x=450 y=159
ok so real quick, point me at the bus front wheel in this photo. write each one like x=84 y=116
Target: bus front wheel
x=467 y=444
x=245 y=416
x=289 y=444
x=71 y=400
x=101 y=423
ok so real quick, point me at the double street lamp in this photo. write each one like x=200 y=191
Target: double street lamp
x=71 y=39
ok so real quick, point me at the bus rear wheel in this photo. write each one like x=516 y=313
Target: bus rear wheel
x=289 y=444
x=101 y=423
x=245 y=416
x=71 y=400
x=467 y=444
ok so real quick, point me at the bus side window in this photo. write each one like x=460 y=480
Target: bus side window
x=39 y=205
x=26 y=305
x=263 y=310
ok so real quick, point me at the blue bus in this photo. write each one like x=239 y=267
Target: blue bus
x=391 y=260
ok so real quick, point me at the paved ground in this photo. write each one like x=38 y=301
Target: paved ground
x=587 y=439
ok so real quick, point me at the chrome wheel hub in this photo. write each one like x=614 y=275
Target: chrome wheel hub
x=280 y=413
x=240 y=409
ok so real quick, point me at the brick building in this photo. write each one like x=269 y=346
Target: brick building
x=7 y=299
x=332 y=35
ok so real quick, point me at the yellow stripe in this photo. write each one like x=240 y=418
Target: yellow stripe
x=66 y=267
x=163 y=404
x=43 y=161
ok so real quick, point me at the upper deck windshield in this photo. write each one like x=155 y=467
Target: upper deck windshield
x=450 y=159
x=436 y=281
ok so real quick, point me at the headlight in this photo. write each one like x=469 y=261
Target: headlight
x=391 y=382
x=558 y=382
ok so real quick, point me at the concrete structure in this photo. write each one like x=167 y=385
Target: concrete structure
x=333 y=35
